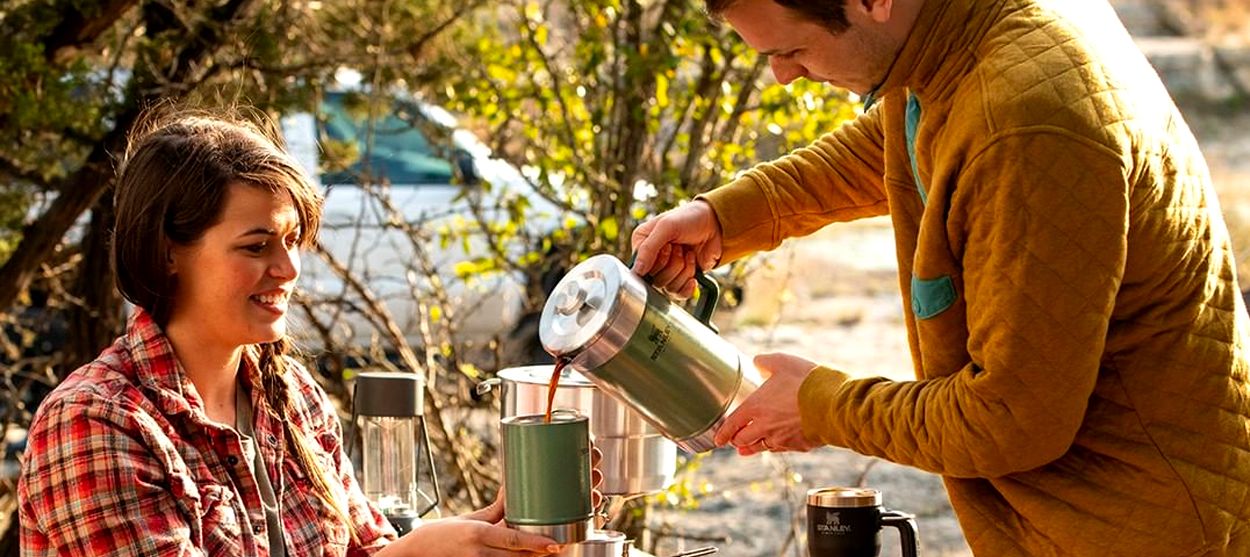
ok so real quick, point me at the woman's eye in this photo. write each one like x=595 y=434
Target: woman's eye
x=255 y=248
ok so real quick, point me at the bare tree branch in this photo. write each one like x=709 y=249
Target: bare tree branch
x=83 y=188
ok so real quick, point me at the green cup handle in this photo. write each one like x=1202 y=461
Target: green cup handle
x=709 y=295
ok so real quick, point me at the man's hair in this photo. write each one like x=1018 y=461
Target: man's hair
x=830 y=13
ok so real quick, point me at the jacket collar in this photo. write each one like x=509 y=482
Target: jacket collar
x=940 y=49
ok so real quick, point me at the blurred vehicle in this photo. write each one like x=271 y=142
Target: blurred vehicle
x=392 y=215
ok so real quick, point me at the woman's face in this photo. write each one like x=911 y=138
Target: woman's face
x=233 y=284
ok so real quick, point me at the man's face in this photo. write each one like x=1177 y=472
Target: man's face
x=856 y=59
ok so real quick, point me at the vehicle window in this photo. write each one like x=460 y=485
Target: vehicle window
x=400 y=153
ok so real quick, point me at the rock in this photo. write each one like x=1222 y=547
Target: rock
x=1188 y=68
x=1140 y=17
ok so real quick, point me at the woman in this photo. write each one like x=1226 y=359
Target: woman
x=193 y=434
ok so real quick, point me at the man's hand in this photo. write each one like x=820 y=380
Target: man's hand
x=669 y=247
x=769 y=419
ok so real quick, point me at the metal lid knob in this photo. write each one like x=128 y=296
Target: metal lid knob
x=586 y=303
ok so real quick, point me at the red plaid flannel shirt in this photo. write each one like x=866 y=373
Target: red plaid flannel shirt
x=122 y=460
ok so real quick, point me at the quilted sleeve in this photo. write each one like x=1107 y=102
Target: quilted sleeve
x=1043 y=260
x=839 y=177
x=91 y=486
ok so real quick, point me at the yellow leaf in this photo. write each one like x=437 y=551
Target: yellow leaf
x=533 y=12
x=609 y=228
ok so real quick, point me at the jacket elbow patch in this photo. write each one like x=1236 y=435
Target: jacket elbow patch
x=931 y=297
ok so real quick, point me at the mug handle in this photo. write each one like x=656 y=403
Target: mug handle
x=906 y=524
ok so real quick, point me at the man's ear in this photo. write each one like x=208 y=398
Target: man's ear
x=878 y=11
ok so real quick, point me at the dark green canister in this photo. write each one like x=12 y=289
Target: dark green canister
x=636 y=346
x=547 y=475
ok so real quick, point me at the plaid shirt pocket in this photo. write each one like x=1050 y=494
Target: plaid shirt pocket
x=219 y=521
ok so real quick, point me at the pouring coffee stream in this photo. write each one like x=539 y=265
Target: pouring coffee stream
x=571 y=300
x=554 y=384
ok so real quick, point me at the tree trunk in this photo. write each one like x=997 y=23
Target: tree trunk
x=9 y=541
x=95 y=322
x=81 y=189
x=78 y=194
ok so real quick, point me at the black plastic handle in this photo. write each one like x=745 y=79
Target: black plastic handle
x=709 y=296
x=906 y=524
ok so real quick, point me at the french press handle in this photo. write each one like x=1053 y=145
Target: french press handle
x=906 y=524
x=709 y=295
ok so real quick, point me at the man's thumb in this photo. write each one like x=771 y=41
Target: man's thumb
x=764 y=363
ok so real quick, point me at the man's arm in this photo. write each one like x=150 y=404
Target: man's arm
x=839 y=177
x=1046 y=229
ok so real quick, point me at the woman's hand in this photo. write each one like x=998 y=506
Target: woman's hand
x=482 y=533
x=469 y=537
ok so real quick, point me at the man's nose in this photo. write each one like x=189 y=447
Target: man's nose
x=785 y=71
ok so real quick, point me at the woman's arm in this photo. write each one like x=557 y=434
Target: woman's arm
x=93 y=483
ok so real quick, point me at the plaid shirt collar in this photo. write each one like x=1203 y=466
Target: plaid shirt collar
x=158 y=370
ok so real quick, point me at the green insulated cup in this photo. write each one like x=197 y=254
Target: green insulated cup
x=547 y=475
x=667 y=365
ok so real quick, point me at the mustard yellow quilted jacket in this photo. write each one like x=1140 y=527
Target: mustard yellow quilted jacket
x=1079 y=340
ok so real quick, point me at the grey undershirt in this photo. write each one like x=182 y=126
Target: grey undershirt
x=256 y=461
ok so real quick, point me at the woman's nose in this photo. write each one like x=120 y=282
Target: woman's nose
x=285 y=265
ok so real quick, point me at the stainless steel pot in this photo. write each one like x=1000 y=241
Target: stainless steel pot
x=636 y=458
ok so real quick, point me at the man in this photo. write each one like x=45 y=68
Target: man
x=1072 y=307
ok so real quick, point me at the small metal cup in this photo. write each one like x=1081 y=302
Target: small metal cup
x=847 y=522
x=547 y=475
x=600 y=543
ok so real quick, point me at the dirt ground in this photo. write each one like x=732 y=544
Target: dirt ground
x=833 y=297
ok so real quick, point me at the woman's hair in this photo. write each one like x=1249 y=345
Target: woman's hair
x=171 y=188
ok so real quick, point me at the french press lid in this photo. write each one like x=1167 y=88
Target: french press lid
x=598 y=298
